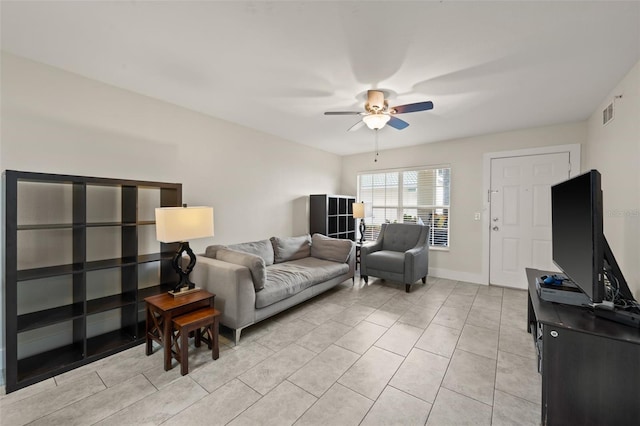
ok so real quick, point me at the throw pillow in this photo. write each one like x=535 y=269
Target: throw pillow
x=262 y=248
x=336 y=250
x=254 y=263
x=211 y=251
x=291 y=248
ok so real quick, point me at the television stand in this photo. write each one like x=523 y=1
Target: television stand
x=589 y=365
x=619 y=316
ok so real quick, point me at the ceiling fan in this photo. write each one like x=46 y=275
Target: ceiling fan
x=377 y=112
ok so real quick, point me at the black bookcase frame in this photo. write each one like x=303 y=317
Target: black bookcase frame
x=130 y=301
x=332 y=215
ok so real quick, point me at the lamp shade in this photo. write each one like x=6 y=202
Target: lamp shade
x=376 y=121
x=358 y=210
x=178 y=224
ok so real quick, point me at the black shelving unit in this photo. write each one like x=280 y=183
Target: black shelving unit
x=332 y=215
x=54 y=309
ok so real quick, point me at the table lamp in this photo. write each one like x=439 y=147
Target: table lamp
x=358 y=213
x=178 y=225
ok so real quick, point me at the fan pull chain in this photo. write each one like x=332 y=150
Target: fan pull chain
x=375 y=160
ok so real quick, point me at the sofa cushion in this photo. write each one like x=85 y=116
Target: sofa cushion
x=212 y=251
x=262 y=248
x=323 y=247
x=286 y=279
x=291 y=248
x=255 y=264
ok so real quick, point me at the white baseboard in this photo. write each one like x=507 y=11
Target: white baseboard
x=457 y=275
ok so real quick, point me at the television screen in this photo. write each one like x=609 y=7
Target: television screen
x=577 y=237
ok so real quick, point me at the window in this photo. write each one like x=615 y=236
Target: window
x=408 y=196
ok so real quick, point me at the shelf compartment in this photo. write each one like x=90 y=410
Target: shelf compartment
x=48 y=362
x=110 y=341
x=110 y=302
x=333 y=225
x=104 y=203
x=51 y=316
x=44 y=247
x=333 y=206
x=49 y=271
x=342 y=206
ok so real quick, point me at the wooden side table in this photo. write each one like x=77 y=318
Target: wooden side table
x=359 y=246
x=161 y=309
x=194 y=321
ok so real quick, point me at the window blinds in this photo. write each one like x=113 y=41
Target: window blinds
x=408 y=196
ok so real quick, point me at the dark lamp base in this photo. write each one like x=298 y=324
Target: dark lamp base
x=363 y=228
x=184 y=283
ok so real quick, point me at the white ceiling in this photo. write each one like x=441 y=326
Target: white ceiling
x=277 y=66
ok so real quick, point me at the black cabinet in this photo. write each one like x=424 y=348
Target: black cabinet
x=332 y=215
x=590 y=366
x=80 y=257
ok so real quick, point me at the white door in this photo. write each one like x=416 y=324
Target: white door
x=520 y=218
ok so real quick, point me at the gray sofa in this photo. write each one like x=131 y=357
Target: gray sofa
x=401 y=253
x=254 y=281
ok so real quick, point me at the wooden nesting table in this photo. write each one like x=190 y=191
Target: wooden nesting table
x=161 y=311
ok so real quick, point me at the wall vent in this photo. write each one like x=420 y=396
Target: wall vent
x=607 y=114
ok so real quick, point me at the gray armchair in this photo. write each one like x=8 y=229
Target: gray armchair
x=401 y=253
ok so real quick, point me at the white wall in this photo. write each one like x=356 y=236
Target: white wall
x=57 y=122
x=614 y=150
x=464 y=259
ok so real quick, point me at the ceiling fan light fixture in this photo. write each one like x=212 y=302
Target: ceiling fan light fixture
x=376 y=121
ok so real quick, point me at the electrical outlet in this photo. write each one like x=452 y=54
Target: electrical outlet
x=476 y=216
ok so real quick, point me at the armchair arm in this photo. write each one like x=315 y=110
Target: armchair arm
x=233 y=287
x=416 y=260
x=365 y=250
x=416 y=263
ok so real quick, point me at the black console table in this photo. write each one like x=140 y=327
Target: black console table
x=590 y=366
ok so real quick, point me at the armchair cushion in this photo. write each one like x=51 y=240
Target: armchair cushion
x=387 y=260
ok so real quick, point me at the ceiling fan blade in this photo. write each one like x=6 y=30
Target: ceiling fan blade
x=342 y=113
x=419 y=106
x=396 y=123
x=356 y=126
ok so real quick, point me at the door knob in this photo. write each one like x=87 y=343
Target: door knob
x=495 y=219
x=495 y=228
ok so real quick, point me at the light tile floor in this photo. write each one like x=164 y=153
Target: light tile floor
x=447 y=353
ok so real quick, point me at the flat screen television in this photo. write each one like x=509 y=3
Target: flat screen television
x=579 y=246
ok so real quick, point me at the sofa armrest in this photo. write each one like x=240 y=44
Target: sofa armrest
x=233 y=287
